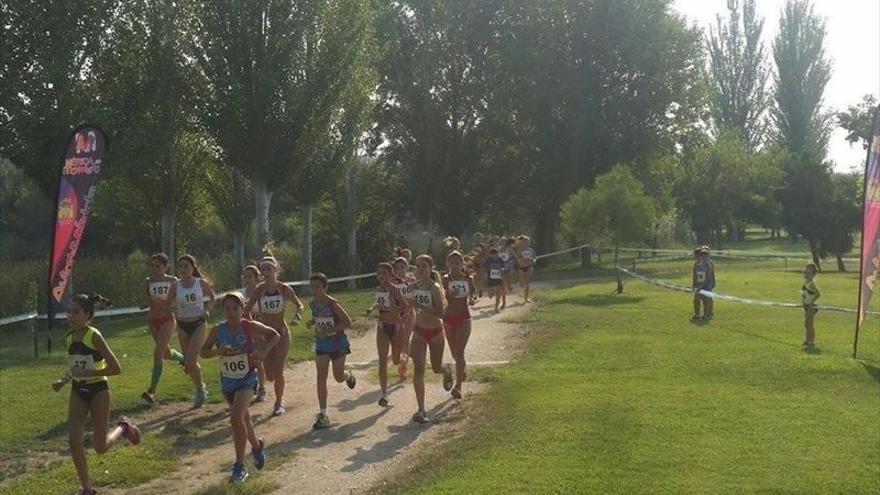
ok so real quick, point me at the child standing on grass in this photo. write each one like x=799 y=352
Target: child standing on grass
x=703 y=279
x=809 y=294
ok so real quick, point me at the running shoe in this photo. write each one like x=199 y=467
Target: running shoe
x=259 y=454
x=239 y=473
x=351 y=381
x=421 y=418
x=148 y=396
x=383 y=402
x=279 y=410
x=201 y=397
x=456 y=393
x=447 y=377
x=261 y=395
x=695 y=318
x=131 y=432
x=322 y=422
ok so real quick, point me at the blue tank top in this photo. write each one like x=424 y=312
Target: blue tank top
x=235 y=368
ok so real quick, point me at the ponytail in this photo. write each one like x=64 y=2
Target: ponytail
x=88 y=302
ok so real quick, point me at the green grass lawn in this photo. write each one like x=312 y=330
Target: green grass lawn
x=34 y=417
x=621 y=394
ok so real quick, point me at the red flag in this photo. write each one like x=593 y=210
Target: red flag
x=81 y=168
x=870 y=269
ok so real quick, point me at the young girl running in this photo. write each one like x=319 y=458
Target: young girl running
x=460 y=294
x=240 y=344
x=478 y=257
x=428 y=298
x=161 y=319
x=495 y=273
x=404 y=281
x=270 y=299
x=508 y=254
x=526 y=264
x=193 y=297
x=250 y=277
x=390 y=305
x=331 y=343
x=91 y=362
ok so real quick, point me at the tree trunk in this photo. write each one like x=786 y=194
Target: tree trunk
x=307 y=241
x=351 y=207
x=262 y=200
x=237 y=251
x=168 y=222
x=545 y=230
x=815 y=254
x=616 y=264
x=840 y=266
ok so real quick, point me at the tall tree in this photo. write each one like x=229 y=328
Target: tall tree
x=150 y=86
x=802 y=124
x=858 y=121
x=739 y=72
x=275 y=72
x=802 y=72
x=47 y=49
x=582 y=92
x=432 y=98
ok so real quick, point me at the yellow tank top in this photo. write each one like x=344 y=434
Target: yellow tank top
x=84 y=355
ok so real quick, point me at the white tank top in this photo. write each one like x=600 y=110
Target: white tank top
x=190 y=300
x=255 y=309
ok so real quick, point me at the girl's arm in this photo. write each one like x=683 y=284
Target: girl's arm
x=212 y=299
x=113 y=367
x=249 y=305
x=472 y=290
x=145 y=296
x=290 y=295
x=208 y=350
x=172 y=297
x=344 y=321
x=269 y=338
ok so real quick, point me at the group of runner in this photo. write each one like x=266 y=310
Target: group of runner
x=418 y=310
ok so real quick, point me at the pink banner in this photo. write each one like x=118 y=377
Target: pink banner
x=870 y=270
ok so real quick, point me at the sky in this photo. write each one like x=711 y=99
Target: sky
x=852 y=42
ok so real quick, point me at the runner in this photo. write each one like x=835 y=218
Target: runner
x=270 y=299
x=526 y=264
x=508 y=254
x=495 y=273
x=250 y=277
x=331 y=343
x=428 y=298
x=161 y=320
x=703 y=279
x=391 y=306
x=91 y=362
x=478 y=257
x=460 y=293
x=240 y=344
x=404 y=280
x=193 y=297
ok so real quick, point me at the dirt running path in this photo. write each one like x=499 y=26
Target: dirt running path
x=366 y=443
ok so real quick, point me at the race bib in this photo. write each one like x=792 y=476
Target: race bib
x=159 y=290
x=383 y=299
x=272 y=304
x=234 y=366
x=423 y=298
x=324 y=326
x=495 y=274
x=458 y=288
x=81 y=361
x=190 y=300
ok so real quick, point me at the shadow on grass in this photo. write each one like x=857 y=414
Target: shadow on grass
x=872 y=370
x=597 y=300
